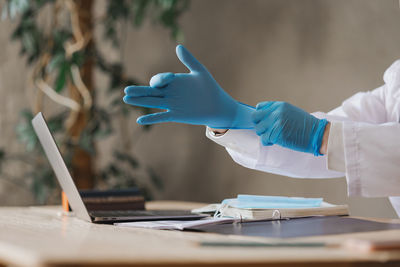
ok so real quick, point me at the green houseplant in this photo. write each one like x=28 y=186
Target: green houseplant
x=57 y=39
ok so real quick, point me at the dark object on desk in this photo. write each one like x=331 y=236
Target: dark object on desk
x=124 y=199
x=74 y=197
x=113 y=216
x=311 y=226
x=126 y=192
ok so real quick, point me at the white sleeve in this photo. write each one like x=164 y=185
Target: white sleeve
x=369 y=154
x=335 y=149
x=362 y=113
x=371 y=149
x=372 y=155
x=245 y=148
x=369 y=143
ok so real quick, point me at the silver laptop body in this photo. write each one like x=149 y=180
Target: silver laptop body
x=77 y=205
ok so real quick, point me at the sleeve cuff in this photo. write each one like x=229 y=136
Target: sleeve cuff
x=335 y=153
x=214 y=134
x=245 y=142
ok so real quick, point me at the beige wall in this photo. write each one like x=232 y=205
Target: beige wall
x=313 y=54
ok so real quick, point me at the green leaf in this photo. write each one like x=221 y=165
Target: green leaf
x=58 y=38
x=78 y=58
x=86 y=143
x=155 y=179
x=55 y=62
x=37 y=189
x=61 y=77
x=29 y=35
x=101 y=134
x=4 y=12
x=25 y=132
x=115 y=10
x=117 y=101
x=178 y=35
x=56 y=123
x=43 y=183
x=146 y=193
x=35 y=41
x=114 y=170
x=139 y=8
x=27 y=115
x=126 y=158
x=28 y=42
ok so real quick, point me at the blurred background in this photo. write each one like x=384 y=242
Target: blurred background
x=72 y=59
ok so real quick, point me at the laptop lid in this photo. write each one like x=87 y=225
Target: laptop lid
x=60 y=169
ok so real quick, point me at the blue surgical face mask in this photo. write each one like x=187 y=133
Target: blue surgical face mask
x=271 y=202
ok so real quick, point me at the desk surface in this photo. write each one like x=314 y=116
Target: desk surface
x=42 y=236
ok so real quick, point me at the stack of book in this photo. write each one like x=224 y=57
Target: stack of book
x=247 y=208
x=124 y=199
x=253 y=207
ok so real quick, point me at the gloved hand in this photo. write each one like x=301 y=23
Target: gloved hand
x=288 y=126
x=193 y=98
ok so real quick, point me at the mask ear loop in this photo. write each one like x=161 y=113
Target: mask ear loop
x=219 y=211
x=276 y=215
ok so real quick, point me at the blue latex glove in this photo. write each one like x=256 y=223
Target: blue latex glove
x=288 y=126
x=193 y=98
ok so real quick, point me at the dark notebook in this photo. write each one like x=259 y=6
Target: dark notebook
x=121 y=199
x=311 y=226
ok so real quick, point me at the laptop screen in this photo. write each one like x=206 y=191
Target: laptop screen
x=60 y=169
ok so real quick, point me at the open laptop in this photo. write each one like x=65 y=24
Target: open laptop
x=78 y=206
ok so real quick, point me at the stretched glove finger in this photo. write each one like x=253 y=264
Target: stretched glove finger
x=259 y=115
x=264 y=104
x=262 y=126
x=265 y=140
x=189 y=60
x=137 y=91
x=262 y=113
x=146 y=101
x=162 y=79
x=155 y=118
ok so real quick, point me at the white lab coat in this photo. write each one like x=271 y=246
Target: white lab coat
x=364 y=145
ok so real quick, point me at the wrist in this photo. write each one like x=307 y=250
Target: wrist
x=219 y=131
x=243 y=118
x=324 y=144
x=317 y=136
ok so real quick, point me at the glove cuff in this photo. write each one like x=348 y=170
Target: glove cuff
x=243 y=117
x=317 y=137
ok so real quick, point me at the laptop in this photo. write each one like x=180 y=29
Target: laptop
x=77 y=205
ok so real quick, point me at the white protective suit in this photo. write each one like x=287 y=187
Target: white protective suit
x=364 y=145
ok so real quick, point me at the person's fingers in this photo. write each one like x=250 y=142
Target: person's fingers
x=262 y=126
x=189 y=60
x=146 y=101
x=155 y=118
x=262 y=111
x=265 y=140
x=162 y=79
x=137 y=91
x=258 y=115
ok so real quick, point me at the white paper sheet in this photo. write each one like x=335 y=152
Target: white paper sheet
x=175 y=225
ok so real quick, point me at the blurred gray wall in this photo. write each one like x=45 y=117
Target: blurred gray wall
x=313 y=54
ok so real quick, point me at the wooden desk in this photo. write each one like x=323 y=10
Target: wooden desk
x=42 y=236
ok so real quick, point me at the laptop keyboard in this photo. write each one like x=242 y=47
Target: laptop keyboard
x=133 y=213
